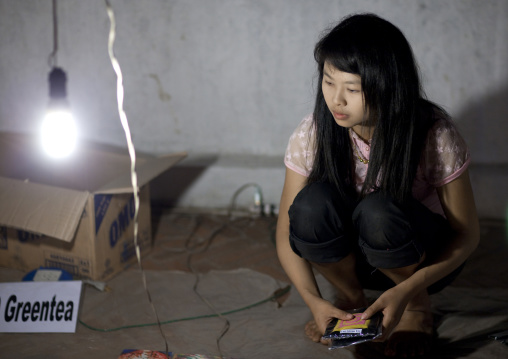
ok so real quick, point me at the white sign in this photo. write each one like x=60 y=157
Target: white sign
x=39 y=307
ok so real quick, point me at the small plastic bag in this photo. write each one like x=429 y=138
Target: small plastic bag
x=344 y=333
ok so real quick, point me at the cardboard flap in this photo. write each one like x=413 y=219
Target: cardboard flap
x=146 y=171
x=41 y=209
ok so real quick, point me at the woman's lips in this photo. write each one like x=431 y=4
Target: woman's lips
x=340 y=116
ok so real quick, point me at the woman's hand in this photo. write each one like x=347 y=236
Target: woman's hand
x=324 y=311
x=392 y=304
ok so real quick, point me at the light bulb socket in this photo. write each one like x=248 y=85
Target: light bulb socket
x=57 y=84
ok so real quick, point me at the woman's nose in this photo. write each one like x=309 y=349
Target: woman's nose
x=339 y=99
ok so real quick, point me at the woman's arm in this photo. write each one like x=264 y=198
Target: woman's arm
x=458 y=204
x=298 y=269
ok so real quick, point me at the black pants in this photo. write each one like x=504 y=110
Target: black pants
x=382 y=233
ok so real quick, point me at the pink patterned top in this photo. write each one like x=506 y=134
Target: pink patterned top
x=445 y=157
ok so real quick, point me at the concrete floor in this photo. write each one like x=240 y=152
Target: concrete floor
x=232 y=263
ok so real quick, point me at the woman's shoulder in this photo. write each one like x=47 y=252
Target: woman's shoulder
x=444 y=134
x=300 y=150
x=303 y=133
x=446 y=153
x=306 y=124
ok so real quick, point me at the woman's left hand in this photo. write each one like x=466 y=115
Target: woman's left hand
x=392 y=304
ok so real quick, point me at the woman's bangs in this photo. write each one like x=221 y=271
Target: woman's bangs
x=344 y=62
x=342 y=57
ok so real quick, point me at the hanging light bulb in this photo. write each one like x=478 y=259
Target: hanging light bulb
x=58 y=130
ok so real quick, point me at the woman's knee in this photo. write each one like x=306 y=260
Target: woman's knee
x=381 y=223
x=386 y=235
x=317 y=231
x=313 y=214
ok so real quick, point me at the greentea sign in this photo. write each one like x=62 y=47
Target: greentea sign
x=39 y=307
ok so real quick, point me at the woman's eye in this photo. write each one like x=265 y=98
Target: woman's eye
x=353 y=91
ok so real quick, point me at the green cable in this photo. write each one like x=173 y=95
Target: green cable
x=279 y=293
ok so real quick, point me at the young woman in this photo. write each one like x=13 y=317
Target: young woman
x=377 y=193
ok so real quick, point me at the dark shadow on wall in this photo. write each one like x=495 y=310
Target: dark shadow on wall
x=484 y=125
x=167 y=188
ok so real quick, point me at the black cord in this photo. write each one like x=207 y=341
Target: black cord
x=52 y=61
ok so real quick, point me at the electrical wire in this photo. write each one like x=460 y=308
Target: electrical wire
x=132 y=154
x=273 y=297
x=258 y=197
x=135 y=189
x=258 y=200
x=202 y=247
x=208 y=242
x=52 y=60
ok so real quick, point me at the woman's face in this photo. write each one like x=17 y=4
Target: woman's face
x=344 y=97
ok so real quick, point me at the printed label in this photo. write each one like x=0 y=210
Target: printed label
x=72 y=265
x=355 y=323
x=121 y=223
x=101 y=205
x=351 y=331
x=24 y=236
x=47 y=275
x=39 y=306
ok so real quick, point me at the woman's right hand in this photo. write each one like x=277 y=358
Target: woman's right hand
x=324 y=312
x=298 y=269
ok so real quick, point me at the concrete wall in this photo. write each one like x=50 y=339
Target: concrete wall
x=228 y=80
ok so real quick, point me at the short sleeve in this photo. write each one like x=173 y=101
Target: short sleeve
x=446 y=155
x=300 y=151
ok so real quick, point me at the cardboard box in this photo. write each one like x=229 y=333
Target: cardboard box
x=77 y=213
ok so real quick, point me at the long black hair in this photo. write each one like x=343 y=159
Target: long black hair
x=377 y=51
